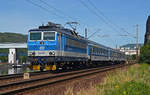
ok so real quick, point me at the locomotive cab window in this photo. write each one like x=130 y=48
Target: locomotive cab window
x=35 y=35
x=49 y=36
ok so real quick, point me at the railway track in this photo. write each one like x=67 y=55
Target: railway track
x=17 y=77
x=4 y=77
x=26 y=85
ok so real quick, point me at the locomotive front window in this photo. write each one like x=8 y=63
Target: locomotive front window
x=49 y=36
x=35 y=35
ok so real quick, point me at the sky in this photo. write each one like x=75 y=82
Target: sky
x=108 y=19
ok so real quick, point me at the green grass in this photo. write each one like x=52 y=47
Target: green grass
x=134 y=80
x=131 y=88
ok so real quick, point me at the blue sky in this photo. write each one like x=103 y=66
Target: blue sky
x=19 y=16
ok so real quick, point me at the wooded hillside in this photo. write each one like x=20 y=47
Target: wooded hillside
x=12 y=37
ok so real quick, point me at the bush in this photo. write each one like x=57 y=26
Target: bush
x=145 y=54
x=3 y=58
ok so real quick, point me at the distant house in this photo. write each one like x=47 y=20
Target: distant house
x=130 y=49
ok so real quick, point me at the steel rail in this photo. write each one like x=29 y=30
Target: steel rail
x=4 y=77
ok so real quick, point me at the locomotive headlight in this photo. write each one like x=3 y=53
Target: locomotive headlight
x=53 y=53
x=50 y=53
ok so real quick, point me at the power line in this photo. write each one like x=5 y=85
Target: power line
x=100 y=12
x=107 y=19
x=93 y=33
x=45 y=9
x=61 y=12
x=56 y=10
x=96 y=14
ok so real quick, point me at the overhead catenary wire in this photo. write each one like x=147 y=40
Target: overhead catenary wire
x=101 y=13
x=62 y=13
x=103 y=17
x=57 y=10
x=98 y=16
x=45 y=9
x=93 y=33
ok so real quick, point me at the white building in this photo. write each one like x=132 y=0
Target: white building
x=12 y=56
x=130 y=49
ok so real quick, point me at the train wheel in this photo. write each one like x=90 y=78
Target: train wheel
x=41 y=68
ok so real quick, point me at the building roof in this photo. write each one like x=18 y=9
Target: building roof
x=131 y=46
x=13 y=45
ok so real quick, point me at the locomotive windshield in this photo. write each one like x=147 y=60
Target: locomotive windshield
x=42 y=35
x=49 y=36
x=35 y=35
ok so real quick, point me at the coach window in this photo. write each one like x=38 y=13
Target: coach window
x=49 y=36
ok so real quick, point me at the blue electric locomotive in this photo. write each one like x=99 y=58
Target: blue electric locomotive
x=53 y=47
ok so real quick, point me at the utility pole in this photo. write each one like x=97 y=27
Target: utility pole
x=137 y=56
x=116 y=46
x=85 y=33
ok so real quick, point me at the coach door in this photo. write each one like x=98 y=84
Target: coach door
x=62 y=44
x=59 y=44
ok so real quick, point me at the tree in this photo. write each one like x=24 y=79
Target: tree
x=145 y=54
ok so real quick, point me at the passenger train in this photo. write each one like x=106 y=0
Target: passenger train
x=53 y=47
